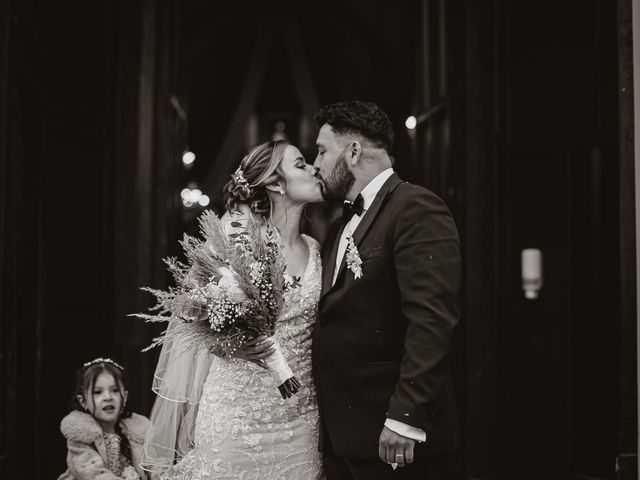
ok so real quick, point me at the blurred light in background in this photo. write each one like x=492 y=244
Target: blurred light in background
x=188 y=157
x=194 y=196
x=411 y=122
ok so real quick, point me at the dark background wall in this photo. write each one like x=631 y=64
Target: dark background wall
x=85 y=209
x=523 y=129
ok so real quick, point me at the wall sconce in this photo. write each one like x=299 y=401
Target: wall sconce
x=531 y=272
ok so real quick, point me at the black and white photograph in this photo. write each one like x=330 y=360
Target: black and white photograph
x=331 y=240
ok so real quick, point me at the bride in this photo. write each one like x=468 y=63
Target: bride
x=222 y=418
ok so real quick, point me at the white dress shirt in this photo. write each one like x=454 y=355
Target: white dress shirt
x=368 y=195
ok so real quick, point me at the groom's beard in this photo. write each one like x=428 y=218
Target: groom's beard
x=339 y=181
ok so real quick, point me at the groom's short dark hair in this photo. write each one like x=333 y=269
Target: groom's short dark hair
x=363 y=118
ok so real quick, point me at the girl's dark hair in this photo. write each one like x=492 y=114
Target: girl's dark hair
x=362 y=118
x=260 y=167
x=86 y=378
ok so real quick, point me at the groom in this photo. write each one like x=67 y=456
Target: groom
x=382 y=344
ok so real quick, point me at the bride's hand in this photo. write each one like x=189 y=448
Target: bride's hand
x=256 y=350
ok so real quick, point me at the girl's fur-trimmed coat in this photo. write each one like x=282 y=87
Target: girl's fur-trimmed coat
x=87 y=453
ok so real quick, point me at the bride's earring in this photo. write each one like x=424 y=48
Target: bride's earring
x=275 y=187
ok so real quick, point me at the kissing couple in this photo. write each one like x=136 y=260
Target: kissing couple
x=367 y=329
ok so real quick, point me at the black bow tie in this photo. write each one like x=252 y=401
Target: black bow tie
x=349 y=209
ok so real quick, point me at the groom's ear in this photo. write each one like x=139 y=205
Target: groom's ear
x=354 y=150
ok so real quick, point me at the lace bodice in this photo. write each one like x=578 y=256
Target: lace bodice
x=244 y=428
x=116 y=461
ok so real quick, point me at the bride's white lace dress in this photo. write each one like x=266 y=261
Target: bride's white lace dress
x=244 y=429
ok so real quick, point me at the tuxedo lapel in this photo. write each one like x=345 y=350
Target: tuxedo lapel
x=365 y=224
x=330 y=260
x=363 y=227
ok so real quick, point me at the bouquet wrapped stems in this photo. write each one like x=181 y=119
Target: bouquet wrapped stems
x=282 y=375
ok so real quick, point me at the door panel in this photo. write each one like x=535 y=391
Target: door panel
x=558 y=186
x=534 y=370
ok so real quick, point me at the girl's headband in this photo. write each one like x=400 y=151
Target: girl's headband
x=103 y=360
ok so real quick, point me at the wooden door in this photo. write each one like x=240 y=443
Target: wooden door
x=557 y=185
x=541 y=396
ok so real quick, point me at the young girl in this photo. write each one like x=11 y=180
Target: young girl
x=104 y=439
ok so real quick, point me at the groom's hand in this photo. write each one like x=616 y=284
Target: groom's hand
x=394 y=448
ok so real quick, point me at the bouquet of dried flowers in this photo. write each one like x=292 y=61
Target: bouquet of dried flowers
x=229 y=291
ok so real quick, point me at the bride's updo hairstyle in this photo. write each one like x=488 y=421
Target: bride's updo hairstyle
x=259 y=168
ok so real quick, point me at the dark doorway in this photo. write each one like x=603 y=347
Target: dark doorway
x=550 y=148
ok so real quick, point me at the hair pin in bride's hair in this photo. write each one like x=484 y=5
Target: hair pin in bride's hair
x=239 y=178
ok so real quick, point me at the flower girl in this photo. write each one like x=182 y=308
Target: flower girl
x=104 y=439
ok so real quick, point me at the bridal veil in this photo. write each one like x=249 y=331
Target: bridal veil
x=178 y=380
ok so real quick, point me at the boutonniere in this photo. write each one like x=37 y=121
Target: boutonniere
x=354 y=262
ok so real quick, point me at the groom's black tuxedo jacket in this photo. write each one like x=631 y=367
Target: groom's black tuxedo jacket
x=382 y=342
